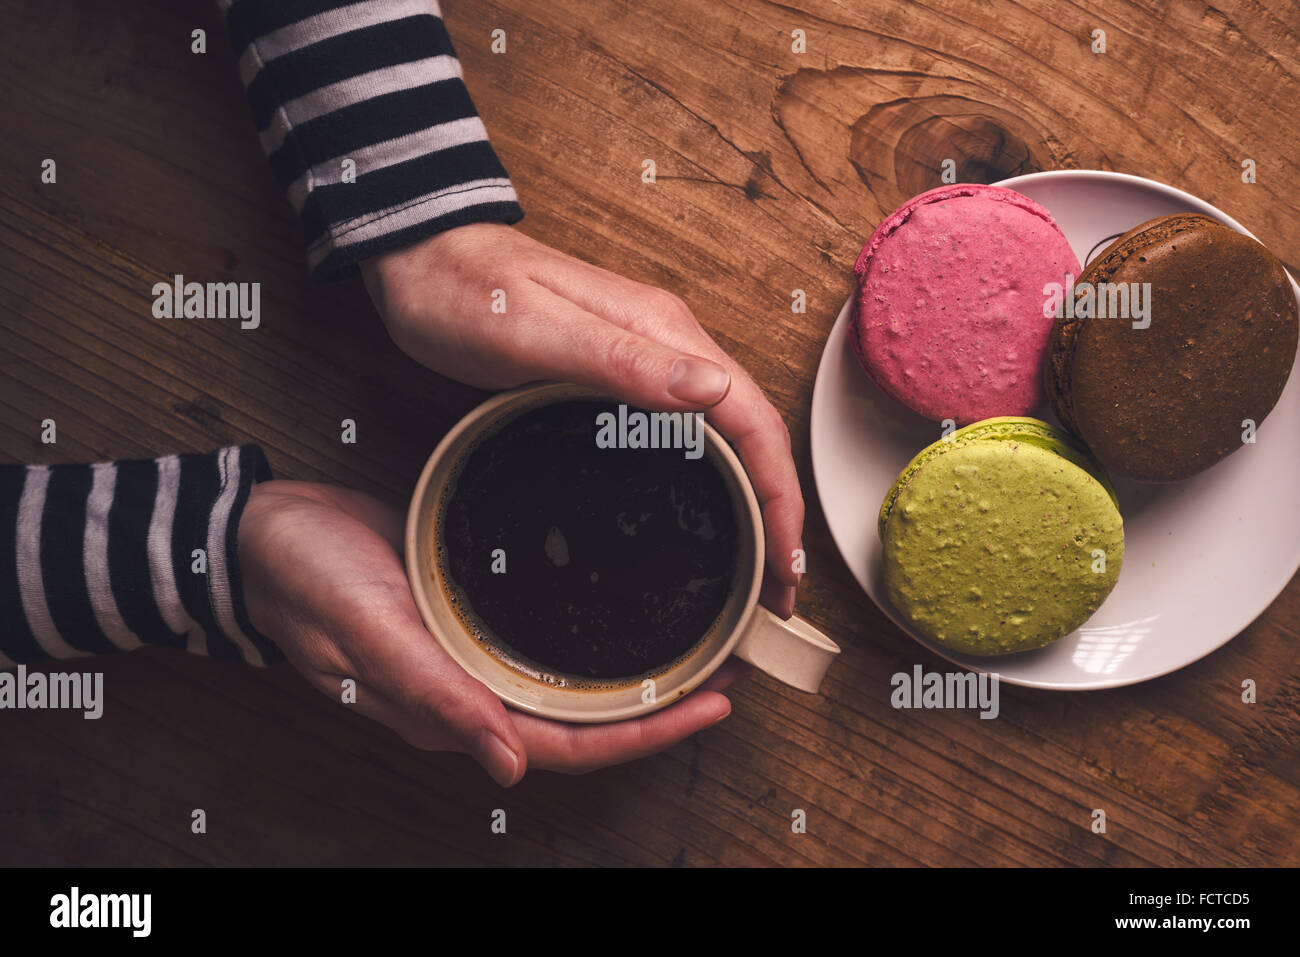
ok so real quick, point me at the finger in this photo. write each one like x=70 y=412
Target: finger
x=776 y=597
x=564 y=341
x=731 y=671
x=759 y=435
x=744 y=416
x=434 y=692
x=374 y=705
x=371 y=703
x=648 y=310
x=576 y=749
x=385 y=644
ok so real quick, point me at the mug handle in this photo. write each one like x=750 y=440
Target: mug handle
x=791 y=651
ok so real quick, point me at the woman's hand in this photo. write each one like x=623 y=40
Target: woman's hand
x=323 y=579
x=557 y=317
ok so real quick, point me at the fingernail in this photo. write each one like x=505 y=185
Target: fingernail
x=698 y=381
x=722 y=717
x=499 y=760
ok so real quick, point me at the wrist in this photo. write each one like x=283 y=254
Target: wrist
x=411 y=285
x=440 y=249
x=253 y=574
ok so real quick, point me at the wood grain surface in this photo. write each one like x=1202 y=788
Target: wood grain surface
x=773 y=167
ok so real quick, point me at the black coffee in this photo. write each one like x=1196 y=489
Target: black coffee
x=612 y=562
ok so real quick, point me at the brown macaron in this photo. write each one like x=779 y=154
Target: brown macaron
x=1160 y=391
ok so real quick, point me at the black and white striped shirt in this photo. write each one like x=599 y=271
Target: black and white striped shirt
x=365 y=119
x=102 y=558
x=107 y=557
x=362 y=111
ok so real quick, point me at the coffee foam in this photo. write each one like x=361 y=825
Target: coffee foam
x=501 y=651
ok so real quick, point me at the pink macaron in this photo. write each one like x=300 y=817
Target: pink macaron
x=949 y=317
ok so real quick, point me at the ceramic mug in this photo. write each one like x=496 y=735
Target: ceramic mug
x=792 y=651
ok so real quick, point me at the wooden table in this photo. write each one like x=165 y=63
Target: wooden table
x=772 y=168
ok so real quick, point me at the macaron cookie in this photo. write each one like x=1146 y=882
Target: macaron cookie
x=949 y=319
x=1162 y=396
x=1001 y=537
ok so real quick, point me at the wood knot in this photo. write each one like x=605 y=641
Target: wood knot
x=909 y=145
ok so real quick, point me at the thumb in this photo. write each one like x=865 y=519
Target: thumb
x=583 y=348
x=437 y=697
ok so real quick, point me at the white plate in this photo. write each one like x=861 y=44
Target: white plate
x=1202 y=558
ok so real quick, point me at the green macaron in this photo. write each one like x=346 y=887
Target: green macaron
x=1001 y=537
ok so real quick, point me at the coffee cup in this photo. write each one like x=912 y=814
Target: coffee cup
x=792 y=651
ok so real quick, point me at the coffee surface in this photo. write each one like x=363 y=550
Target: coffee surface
x=617 y=561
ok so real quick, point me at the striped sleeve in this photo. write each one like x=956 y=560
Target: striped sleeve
x=102 y=558
x=366 y=121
